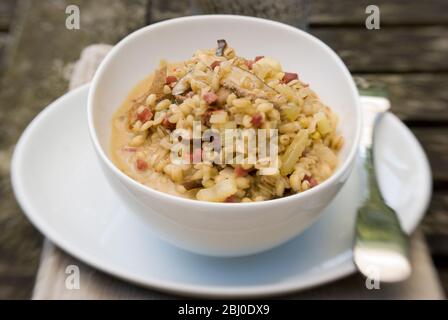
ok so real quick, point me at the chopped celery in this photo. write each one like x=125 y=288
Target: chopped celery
x=293 y=152
x=219 y=192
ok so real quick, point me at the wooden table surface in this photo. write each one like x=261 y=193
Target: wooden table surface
x=408 y=53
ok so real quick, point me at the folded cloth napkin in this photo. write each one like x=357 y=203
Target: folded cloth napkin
x=50 y=283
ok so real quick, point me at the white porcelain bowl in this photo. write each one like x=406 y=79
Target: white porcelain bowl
x=221 y=229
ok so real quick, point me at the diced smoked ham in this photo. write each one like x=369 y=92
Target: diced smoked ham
x=168 y=125
x=257 y=120
x=231 y=199
x=145 y=115
x=249 y=64
x=240 y=172
x=170 y=80
x=215 y=64
x=290 y=77
x=210 y=98
x=142 y=165
x=313 y=182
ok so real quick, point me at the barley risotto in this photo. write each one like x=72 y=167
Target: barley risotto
x=294 y=133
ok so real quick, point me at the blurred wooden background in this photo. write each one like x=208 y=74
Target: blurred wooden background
x=37 y=53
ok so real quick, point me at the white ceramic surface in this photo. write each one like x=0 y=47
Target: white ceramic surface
x=222 y=229
x=63 y=191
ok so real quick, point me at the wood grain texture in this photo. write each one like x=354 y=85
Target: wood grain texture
x=393 y=12
x=7 y=11
x=416 y=97
x=38 y=70
x=319 y=12
x=423 y=283
x=292 y=12
x=435 y=142
x=390 y=49
x=159 y=10
x=3 y=41
x=436 y=221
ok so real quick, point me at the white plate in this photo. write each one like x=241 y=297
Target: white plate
x=62 y=190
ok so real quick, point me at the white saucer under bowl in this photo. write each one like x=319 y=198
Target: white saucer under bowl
x=62 y=190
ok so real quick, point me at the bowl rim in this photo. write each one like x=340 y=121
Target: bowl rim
x=341 y=169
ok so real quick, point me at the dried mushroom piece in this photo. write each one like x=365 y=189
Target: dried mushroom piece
x=222 y=45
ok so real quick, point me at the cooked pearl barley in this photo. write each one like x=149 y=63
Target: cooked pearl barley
x=265 y=107
x=185 y=108
x=146 y=126
x=180 y=188
x=137 y=141
x=247 y=121
x=247 y=166
x=166 y=89
x=337 y=142
x=274 y=115
x=140 y=109
x=215 y=82
x=151 y=100
x=229 y=53
x=232 y=97
x=218 y=117
x=284 y=139
x=174 y=118
x=208 y=183
x=137 y=125
x=305 y=185
x=159 y=117
x=176 y=174
x=162 y=105
x=316 y=135
x=304 y=122
x=295 y=181
x=279 y=188
x=243 y=183
x=241 y=103
x=289 y=127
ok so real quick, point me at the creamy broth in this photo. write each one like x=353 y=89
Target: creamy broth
x=124 y=156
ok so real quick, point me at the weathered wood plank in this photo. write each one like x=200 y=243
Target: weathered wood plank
x=401 y=49
x=436 y=221
x=16 y=288
x=159 y=10
x=293 y=12
x=435 y=226
x=435 y=143
x=3 y=40
x=42 y=73
x=7 y=10
x=317 y=12
x=38 y=73
x=416 y=97
x=443 y=275
x=393 y=12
